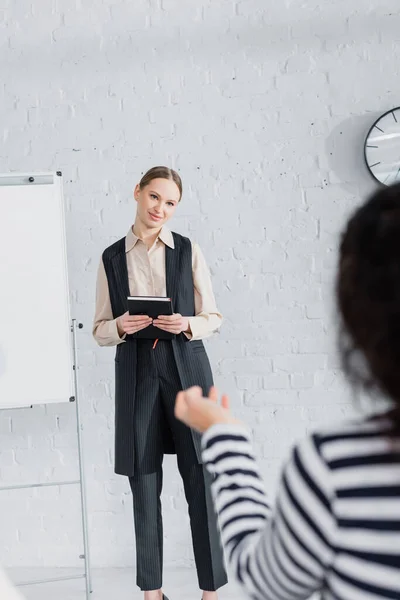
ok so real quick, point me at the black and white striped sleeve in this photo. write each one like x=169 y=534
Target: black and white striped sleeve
x=280 y=554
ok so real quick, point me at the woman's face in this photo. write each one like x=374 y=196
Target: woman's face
x=157 y=202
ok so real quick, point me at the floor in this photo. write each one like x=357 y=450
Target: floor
x=111 y=584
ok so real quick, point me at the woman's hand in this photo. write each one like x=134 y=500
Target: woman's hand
x=132 y=323
x=200 y=413
x=172 y=323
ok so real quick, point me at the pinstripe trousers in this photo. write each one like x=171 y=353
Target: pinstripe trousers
x=157 y=385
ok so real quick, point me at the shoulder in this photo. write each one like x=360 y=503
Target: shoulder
x=192 y=249
x=343 y=441
x=181 y=239
x=114 y=249
x=183 y=243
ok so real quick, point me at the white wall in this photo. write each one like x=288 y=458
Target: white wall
x=263 y=107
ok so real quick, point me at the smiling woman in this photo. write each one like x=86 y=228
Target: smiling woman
x=158 y=194
x=153 y=261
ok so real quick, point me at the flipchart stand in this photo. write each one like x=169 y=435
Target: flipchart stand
x=80 y=482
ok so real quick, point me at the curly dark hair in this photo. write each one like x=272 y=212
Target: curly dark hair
x=368 y=293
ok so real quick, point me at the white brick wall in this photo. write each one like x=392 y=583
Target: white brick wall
x=262 y=106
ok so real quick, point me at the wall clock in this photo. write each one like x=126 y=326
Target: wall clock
x=382 y=148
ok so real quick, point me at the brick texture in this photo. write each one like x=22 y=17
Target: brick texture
x=263 y=108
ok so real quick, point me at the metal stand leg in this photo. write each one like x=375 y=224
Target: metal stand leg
x=81 y=482
x=86 y=555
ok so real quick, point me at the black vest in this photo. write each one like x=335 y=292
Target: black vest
x=191 y=359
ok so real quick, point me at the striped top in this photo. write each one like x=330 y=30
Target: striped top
x=335 y=527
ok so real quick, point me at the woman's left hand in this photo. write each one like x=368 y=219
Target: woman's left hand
x=172 y=323
x=201 y=413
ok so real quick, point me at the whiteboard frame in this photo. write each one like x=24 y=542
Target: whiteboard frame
x=54 y=178
x=81 y=481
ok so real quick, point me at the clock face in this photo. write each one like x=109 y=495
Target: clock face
x=382 y=148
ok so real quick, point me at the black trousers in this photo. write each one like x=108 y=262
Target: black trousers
x=157 y=387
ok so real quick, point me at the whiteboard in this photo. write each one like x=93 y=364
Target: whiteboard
x=36 y=353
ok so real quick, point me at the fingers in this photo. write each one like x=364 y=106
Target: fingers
x=201 y=413
x=133 y=323
x=213 y=394
x=137 y=318
x=180 y=405
x=169 y=329
x=169 y=318
x=183 y=401
x=171 y=323
x=167 y=324
x=134 y=328
x=225 y=402
x=193 y=393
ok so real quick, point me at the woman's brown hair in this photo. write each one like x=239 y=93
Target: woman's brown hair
x=161 y=173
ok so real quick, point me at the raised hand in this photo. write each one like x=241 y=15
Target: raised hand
x=200 y=413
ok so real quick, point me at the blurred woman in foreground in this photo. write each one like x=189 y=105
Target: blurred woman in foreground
x=335 y=527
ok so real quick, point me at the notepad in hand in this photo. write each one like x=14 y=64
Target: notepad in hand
x=152 y=306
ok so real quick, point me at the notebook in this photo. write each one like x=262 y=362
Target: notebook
x=153 y=307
